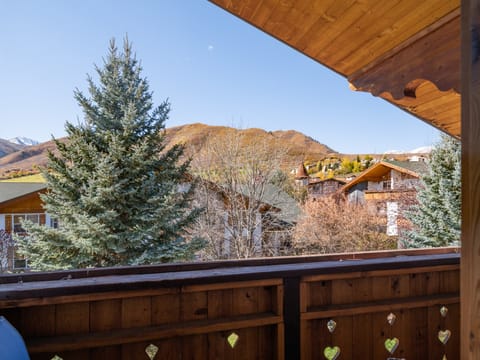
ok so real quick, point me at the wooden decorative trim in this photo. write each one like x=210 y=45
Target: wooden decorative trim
x=433 y=57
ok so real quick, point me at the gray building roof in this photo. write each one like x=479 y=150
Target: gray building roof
x=13 y=190
x=419 y=167
x=276 y=197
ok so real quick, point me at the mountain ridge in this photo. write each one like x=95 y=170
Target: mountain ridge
x=17 y=160
x=300 y=147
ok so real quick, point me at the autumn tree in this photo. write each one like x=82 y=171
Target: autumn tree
x=331 y=226
x=241 y=193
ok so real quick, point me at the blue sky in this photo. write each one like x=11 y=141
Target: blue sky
x=213 y=67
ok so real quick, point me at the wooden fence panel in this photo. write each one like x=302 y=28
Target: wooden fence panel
x=276 y=311
x=361 y=304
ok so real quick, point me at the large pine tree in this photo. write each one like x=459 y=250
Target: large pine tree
x=114 y=187
x=436 y=219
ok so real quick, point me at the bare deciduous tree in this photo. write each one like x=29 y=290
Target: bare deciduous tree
x=241 y=204
x=6 y=249
x=329 y=226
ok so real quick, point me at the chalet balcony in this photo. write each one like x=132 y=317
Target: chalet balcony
x=399 y=304
x=404 y=195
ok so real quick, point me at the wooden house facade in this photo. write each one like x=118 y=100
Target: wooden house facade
x=387 y=188
x=20 y=201
x=317 y=188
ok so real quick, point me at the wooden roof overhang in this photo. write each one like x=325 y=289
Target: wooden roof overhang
x=376 y=173
x=406 y=52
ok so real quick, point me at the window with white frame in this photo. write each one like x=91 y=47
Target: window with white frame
x=19 y=218
x=54 y=223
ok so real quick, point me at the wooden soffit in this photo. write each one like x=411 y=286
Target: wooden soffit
x=404 y=51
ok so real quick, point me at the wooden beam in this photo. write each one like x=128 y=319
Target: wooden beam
x=380 y=306
x=13 y=295
x=470 y=260
x=149 y=333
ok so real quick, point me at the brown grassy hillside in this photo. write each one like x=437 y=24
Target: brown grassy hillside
x=299 y=146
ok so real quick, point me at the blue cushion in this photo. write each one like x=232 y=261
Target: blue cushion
x=12 y=346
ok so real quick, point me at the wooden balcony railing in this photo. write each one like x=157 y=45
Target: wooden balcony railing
x=358 y=305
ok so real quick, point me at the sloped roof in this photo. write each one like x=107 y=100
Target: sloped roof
x=289 y=211
x=319 y=181
x=419 y=167
x=12 y=190
x=406 y=52
x=301 y=172
x=376 y=171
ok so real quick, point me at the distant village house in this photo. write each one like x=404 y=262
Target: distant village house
x=20 y=201
x=386 y=188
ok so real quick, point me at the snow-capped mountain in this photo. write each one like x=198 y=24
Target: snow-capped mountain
x=20 y=140
x=394 y=152
x=420 y=150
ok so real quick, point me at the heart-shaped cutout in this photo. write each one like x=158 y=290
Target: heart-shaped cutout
x=151 y=351
x=233 y=339
x=331 y=325
x=391 y=318
x=331 y=353
x=444 y=336
x=391 y=345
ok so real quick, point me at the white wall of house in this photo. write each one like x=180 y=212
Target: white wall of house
x=396 y=179
x=356 y=197
x=2 y=221
x=257 y=234
x=392 y=216
x=227 y=236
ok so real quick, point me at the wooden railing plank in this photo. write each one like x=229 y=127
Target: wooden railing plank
x=213 y=265
x=379 y=306
x=14 y=294
x=378 y=273
x=148 y=333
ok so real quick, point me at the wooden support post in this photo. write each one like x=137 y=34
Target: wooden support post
x=470 y=261
x=291 y=316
